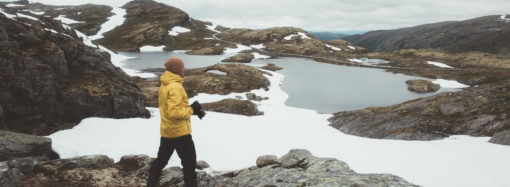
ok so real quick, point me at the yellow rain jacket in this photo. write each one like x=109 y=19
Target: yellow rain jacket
x=174 y=107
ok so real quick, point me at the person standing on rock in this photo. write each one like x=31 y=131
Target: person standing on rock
x=175 y=126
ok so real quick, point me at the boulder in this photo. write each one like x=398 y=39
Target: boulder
x=27 y=164
x=294 y=158
x=242 y=57
x=253 y=97
x=86 y=162
x=421 y=86
x=233 y=106
x=502 y=137
x=201 y=165
x=16 y=145
x=133 y=162
x=266 y=160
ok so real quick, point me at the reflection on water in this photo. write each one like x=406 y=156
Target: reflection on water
x=322 y=87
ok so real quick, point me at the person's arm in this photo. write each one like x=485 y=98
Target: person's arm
x=176 y=109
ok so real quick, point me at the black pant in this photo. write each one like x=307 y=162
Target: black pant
x=186 y=151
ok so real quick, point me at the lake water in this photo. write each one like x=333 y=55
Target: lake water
x=325 y=88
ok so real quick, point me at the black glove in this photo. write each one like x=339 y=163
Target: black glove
x=196 y=107
x=201 y=114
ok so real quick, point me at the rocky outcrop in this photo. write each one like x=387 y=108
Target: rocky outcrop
x=207 y=51
x=233 y=106
x=148 y=23
x=271 y=67
x=242 y=57
x=50 y=81
x=476 y=111
x=17 y=145
x=297 y=168
x=484 y=34
x=238 y=78
x=421 y=86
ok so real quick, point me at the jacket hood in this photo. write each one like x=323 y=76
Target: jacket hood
x=169 y=77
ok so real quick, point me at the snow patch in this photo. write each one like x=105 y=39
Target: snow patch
x=503 y=18
x=212 y=27
x=236 y=50
x=208 y=38
x=27 y=16
x=289 y=37
x=439 y=64
x=113 y=21
x=217 y=72
x=351 y=47
x=36 y=12
x=180 y=51
x=68 y=21
x=14 y=5
x=260 y=56
x=367 y=61
x=449 y=83
x=333 y=47
x=259 y=46
x=11 y=16
x=149 y=48
x=178 y=30
x=303 y=35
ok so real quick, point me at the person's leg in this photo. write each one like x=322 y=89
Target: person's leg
x=166 y=148
x=186 y=151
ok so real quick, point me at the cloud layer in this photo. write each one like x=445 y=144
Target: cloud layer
x=326 y=15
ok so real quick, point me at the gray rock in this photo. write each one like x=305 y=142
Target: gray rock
x=9 y=176
x=134 y=162
x=451 y=108
x=267 y=160
x=26 y=165
x=294 y=158
x=87 y=162
x=308 y=170
x=501 y=138
x=16 y=145
x=202 y=165
x=242 y=57
x=254 y=97
x=480 y=122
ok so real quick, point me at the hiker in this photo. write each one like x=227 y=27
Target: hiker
x=175 y=126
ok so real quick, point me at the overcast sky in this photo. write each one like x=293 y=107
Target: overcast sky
x=325 y=15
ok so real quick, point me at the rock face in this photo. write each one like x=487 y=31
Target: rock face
x=233 y=106
x=476 y=111
x=242 y=57
x=421 y=86
x=485 y=34
x=16 y=145
x=50 y=81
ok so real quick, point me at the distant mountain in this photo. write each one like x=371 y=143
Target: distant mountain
x=489 y=34
x=328 y=35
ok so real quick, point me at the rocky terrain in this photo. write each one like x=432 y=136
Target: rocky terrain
x=233 y=106
x=296 y=168
x=149 y=23
x=475 y=111
x=485 y=34
x=50 y=80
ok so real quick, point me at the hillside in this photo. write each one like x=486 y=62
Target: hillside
x=485 y=34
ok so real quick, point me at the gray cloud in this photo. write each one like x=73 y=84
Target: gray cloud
x=332 y=15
